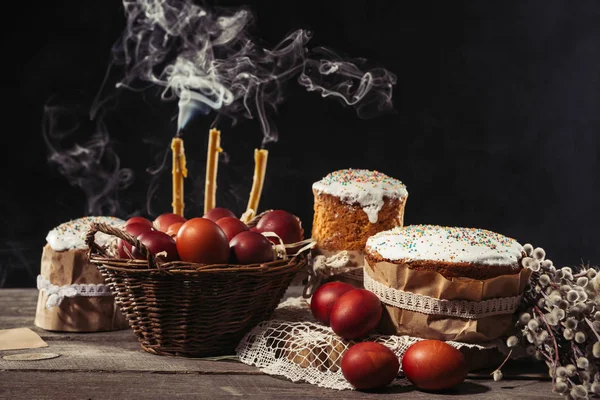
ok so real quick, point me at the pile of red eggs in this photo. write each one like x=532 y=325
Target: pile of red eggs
x=218 y=237
x=352 y=314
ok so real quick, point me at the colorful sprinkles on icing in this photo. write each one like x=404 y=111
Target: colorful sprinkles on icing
x=363 y=187
x=442 y=243
x=71 y=235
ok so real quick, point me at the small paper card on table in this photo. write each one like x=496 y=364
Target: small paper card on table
x=20 y=338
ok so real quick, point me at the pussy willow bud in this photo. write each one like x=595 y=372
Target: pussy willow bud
x=531 y=263
x=559 y=274
x=591 y=273
x=578 y=392
x=528 y=249
x=497 y=375
x=512 y=341
x=572 y=296
x=533 y=325
x=568 y=334
x=571 y=323
x=580 y=337
x=582 y=281
x=559 y=313
x=582 y=363
x=544 y=280
x=525 y=318
x=596 y=350
x=561 y=387
x=596 y=387
x=563 y=304
x=568 y=276
x=551 y=319
x=542 y=336
x=584 y=376
x=567 y=270
x=571 y=370
x=539 y=254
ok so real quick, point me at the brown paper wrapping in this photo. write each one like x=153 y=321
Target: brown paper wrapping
x=397 y=321
x=75 y=314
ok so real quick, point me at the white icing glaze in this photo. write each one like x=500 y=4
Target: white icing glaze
x=71 y=235
x=441 y=243
x=363 y=187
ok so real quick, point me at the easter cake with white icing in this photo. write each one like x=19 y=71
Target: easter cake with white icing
x=350 y=205
x=451 y=251
x=73 y=296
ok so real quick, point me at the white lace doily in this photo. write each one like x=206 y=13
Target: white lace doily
x=56 y=294
x=293 y=345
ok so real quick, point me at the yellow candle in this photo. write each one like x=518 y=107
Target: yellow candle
x=179 y=172
x=260 y=168
x=212 y=164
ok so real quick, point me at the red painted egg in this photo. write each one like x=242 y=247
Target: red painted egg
x=200 y=240
x=163 y=221
x=355 y=314
x=322 y=301
x=370 y=365
x=434 y=365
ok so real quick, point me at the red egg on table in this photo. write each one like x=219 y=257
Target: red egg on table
x=163 y=221
x=434 y=365
x=201 y=240
x=135 y=229
x=251 y=248
x=139 y=220
x=355 y=314
x=160 y=244
x=322 y=301
x=285 y=224
x=217 y=213
x=232 y=226
x=369 y=365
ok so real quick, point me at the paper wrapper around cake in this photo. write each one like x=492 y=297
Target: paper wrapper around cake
x=75 y=314
x=341 y=231
x=402 y=321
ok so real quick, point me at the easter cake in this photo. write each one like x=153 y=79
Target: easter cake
x=445 y=283
x=72 y=294
x=350 y=205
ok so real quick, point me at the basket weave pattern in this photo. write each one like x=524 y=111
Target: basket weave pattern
x=189 y=309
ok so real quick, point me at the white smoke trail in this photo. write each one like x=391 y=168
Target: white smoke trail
x=209 y=60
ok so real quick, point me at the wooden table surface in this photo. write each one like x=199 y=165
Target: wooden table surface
x=111 y=365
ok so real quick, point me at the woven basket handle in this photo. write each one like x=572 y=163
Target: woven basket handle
x=121 y=234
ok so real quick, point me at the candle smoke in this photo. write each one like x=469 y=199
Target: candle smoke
x=209 y=60
x=93 y=166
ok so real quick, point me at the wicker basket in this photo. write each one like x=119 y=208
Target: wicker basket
x=187 y=309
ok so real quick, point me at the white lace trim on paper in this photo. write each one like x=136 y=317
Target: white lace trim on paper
x=432 y=306
x=56 y=294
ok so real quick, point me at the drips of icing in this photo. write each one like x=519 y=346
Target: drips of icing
x=363 y=187
x=71 y=235
x=441 y=243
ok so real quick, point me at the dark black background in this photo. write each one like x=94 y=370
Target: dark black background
x=496 y=123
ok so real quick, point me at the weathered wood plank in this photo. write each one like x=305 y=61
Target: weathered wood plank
x=118 y=356
x=17 y=385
